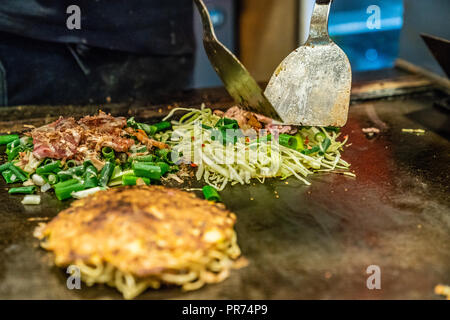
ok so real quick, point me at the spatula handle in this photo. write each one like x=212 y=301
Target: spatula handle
x=319 y=22
x=208 y=29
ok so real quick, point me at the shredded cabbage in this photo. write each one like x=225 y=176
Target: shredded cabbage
x=219 y=164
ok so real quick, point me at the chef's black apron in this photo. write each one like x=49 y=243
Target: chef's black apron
x=125 y=50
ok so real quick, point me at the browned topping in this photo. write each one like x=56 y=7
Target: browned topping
x=69 y=139
x=249 y=120
x=140 y=230
x=143 y=138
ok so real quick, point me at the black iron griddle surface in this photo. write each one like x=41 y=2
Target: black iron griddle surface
x=313 y=242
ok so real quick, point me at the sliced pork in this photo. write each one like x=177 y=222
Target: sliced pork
x=68 y=139
x=249 y=120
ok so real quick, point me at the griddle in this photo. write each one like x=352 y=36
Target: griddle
x=310 y=242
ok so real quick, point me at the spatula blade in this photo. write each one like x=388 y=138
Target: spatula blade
x=235 y=77
x=237 y=80
x=311 y=87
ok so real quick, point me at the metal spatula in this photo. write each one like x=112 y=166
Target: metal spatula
x=237 y=80
x=312 y=85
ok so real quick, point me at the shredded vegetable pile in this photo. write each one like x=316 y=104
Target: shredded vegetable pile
x=224 y=150
x=77 y=178
x=202 y=139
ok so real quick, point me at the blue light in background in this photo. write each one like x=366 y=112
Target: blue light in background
x=372 y=54
x=367 y=47
x=217 y=17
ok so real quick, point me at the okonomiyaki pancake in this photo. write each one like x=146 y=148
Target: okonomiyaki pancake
x=133 y=238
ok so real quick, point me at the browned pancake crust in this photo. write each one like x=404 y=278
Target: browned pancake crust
x=142 y=230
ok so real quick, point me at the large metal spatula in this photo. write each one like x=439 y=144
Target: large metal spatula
x=312 y=85
x=237 y=80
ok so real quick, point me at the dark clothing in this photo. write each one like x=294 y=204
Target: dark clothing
x=128 y=49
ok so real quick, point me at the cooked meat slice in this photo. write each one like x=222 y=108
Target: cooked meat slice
x=104 y=123
x=249 y=120
x=67 y=139
x=143 y=138
x=57 y=140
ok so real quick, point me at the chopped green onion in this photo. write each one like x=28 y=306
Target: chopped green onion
x=149 y=130
x=146 y=170
x=70 y=173
x=108 y=153
x=114 y=183
x=225 y=136
x=46 y=161
x=13 y=148
x=12 y=145
x=131 y=122
x=335 y=129
x=8 y=138
x=312 y=150
x=265 y=138
x=4 y=166
x=85 y=193
x=230 y=123
x=52 y=178
x=300 y=145
x=163 y=125
x=9 y=176
x=230 y=126
x=116 y=172
x=130 y=180
x=65 y=192
x=88 y=163
x=66 y=183
x=320 y=136
x=22 y=175
x=71 y=163
x=22 y=190
x=288 y=141
x=38 y=180
x=141 y=149
x=163 y=154
x=65 y=175
x=147 y=158
x=325 y=145
x=164 y=167
x=31 y=199
x=13 y=153
x=211 y=193
x=46 y=187
x=90 y=177
x=49 y=168
x=106 y=173
x=25 y=140
x=77 y=171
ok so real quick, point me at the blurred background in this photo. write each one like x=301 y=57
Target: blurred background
x=263 y=32
x=139 y=50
